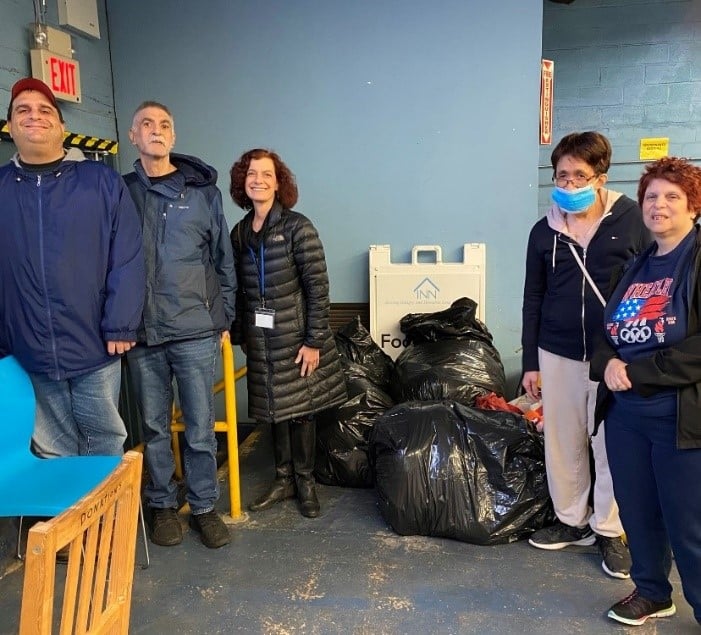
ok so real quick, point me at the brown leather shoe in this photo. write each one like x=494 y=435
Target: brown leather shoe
x=165 y=527
x=212 y=529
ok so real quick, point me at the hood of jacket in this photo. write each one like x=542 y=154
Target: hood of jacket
x=194 y=173
x=72 y=154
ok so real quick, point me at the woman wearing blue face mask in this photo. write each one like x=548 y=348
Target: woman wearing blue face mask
x=572 y=253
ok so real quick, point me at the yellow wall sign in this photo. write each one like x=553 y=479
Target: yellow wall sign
x=654 y=148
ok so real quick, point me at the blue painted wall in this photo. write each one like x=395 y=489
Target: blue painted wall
x=630 y=69
x=94 y=116
x=405 y=122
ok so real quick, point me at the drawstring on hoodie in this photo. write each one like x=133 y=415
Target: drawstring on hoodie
x=554 y=249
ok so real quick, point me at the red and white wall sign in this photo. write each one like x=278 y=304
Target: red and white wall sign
x=547 y=68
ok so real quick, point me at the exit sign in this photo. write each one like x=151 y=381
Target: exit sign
x=60 y=74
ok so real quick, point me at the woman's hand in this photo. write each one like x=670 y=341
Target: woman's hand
x=530 y=382
x=310 y=360
x=616 y=376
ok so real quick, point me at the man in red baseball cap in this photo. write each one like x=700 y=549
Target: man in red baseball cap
x=31 y=83
x=35 y=122
x=72 y=279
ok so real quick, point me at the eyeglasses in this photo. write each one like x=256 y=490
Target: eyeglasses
x=579 y=180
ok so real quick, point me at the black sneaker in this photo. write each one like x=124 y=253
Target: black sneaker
x=165 y=527
x=214 y=532
x=616 y=557
x=560 y=535
x=635 y=609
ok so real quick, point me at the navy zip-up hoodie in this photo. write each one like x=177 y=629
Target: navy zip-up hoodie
x=561 y=313
x=71 y=266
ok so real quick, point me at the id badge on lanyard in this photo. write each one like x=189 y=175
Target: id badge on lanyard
x=264 y=317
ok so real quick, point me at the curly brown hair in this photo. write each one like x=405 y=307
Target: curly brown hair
x=286 y=193
x=676 y=170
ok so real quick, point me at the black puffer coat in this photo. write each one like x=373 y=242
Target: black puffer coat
x=297 y=289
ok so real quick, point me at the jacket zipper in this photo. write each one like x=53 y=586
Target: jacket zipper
x=164 y=217
x=157 y=262
x=584 y=288
x=43 y=281
x=268 y=364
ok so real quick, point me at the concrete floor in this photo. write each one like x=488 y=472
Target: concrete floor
x=347 y=572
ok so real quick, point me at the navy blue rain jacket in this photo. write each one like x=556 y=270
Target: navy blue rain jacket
x=71 y=266
x=191 y=282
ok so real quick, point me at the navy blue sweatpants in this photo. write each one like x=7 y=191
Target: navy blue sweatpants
x=658 y=490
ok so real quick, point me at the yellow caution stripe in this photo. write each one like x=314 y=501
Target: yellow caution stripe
x=73 y=140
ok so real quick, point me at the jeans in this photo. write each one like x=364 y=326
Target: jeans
x=192 y=363
x=656 y=485
x=79 y=416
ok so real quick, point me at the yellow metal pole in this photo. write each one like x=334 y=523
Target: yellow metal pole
x=232 y=442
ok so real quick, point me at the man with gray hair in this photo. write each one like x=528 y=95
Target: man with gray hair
x=190 y=299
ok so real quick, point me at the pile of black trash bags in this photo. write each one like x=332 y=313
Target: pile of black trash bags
x=343 y=432
x=440 y=466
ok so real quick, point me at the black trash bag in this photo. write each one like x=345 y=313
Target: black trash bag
x=355 y=345
x=343 y=431
x=450 y=356
x=457 y=321
x=443 y=469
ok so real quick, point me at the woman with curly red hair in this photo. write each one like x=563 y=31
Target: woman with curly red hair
x=650 y=395
x=282 y=323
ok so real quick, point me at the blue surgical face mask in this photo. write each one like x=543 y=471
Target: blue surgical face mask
x=574 y=201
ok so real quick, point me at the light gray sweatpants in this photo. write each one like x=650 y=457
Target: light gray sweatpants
x=569 y=397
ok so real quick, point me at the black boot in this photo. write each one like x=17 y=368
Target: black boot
x=303 y=433
x=283 y=487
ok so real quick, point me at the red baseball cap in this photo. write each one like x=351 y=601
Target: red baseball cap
x=32 y=83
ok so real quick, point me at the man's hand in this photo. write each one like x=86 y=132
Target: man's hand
x=225 y=337
x=309 y=358
x=119 y=347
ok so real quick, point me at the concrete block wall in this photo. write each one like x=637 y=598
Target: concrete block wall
x=94 y=116
x=630 y=69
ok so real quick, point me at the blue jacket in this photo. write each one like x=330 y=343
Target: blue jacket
x=190 y=279
x=71 y=266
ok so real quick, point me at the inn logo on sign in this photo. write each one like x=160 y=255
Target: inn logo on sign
x=426 y=290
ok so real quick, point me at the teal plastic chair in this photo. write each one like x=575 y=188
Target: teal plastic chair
x=29 y=485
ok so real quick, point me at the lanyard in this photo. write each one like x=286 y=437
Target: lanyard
x=260 y=265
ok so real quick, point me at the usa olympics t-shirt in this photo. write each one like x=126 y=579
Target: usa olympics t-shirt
x=651 y=314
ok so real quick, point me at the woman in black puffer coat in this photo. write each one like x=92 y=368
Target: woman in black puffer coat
x=282 y=322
